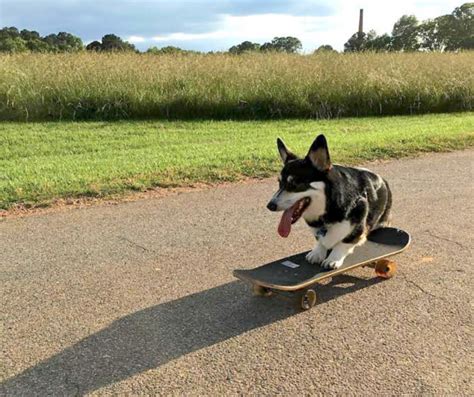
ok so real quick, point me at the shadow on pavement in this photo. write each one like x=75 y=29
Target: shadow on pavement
x=152 y=337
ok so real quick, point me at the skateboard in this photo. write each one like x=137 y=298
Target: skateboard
x=295 y=276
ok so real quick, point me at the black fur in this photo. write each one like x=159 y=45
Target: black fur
x=353 y=194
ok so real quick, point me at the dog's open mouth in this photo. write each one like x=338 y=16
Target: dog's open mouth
x=291 y=215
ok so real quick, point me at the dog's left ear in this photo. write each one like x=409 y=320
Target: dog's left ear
x=285 y=154
x=319 y=154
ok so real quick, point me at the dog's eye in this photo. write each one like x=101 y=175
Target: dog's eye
x=291 y=185
x=297 y=186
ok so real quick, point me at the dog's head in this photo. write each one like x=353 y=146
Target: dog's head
x=302 y=184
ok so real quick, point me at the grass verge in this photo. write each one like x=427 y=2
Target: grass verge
x=40 y=162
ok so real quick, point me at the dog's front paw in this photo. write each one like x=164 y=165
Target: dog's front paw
x=331 y=264
x=317 y=255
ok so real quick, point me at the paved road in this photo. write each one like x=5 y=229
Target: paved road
x=139 y=298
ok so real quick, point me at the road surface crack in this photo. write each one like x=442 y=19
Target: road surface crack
x=134 y=243
x=421 y=288
x=429 y=232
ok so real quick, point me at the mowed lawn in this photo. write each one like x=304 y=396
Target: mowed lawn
x=40 y=162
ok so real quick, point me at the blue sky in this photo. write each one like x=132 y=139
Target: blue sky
x=214 y=25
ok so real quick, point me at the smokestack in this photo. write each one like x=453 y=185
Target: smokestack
x=361 y=21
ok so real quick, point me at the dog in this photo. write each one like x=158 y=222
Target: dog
x=341 y=205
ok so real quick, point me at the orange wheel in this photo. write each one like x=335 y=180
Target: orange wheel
x=385 y=268
x=308 y=299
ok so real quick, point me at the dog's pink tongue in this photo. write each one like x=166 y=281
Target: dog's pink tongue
x=284 y=228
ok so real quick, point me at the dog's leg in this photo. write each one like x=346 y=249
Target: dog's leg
x=337 y=255
x=336 y=233
x=339 y=252
x=317 y=255
x=343 y=237
x=333 y=241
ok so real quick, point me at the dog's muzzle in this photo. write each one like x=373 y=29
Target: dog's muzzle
x=272 y=206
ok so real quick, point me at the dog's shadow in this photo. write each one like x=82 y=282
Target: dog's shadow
x=152 y=337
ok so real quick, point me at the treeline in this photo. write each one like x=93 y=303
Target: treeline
x=279 y=44
x=12 y=40
x=450 y=32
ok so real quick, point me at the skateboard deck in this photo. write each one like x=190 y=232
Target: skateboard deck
x=294 y=273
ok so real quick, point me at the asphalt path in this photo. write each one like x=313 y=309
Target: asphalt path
x=139 y=298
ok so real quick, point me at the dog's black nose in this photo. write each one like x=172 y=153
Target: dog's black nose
x=272 y=206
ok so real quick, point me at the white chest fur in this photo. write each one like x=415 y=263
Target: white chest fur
x=318 y=202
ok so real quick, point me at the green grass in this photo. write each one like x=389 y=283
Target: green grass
x=43 y=161
x=86 y=86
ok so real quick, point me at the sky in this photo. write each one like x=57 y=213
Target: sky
x=207 y=25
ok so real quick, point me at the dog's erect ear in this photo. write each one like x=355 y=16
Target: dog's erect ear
x=285 y=154
x=319 y=154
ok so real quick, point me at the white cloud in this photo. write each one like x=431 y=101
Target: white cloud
x=191 y=36
x=136 y=39
x=258 y=28
x=311 y=30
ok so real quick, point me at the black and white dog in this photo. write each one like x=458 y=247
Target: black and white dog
x=340 y=204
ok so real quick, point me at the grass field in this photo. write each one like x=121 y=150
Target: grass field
x=89 y=86
x=40 y=162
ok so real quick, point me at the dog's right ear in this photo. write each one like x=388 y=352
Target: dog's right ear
x=319 y=154
x=285 y=154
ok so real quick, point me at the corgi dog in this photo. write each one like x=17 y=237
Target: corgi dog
x=341 y=205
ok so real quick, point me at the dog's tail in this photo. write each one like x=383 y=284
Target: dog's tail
x=386 y=217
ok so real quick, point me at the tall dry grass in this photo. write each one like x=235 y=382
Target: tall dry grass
x=221 y=86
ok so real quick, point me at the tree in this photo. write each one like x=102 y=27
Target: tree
x=429 y=36
x=111 y=42
x=405 y=34
x=463 y=20
x=265 y=47
x=12 y=40
x=283 y=44
x=324 y=48
x=166 y=50
x=154 y=50
x=29 y=35
x=38 y=45
x=94 y=46
x=9 y=32
x=381 y=43
x=457 y=29
x=450 y=32
x=12 y=44
x=64 y=42
x=357 y=42
x=362 y=41
x=245 y=46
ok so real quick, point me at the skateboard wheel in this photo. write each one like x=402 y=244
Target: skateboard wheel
x=308 y=300
x=385 y=268
x=258 y=290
